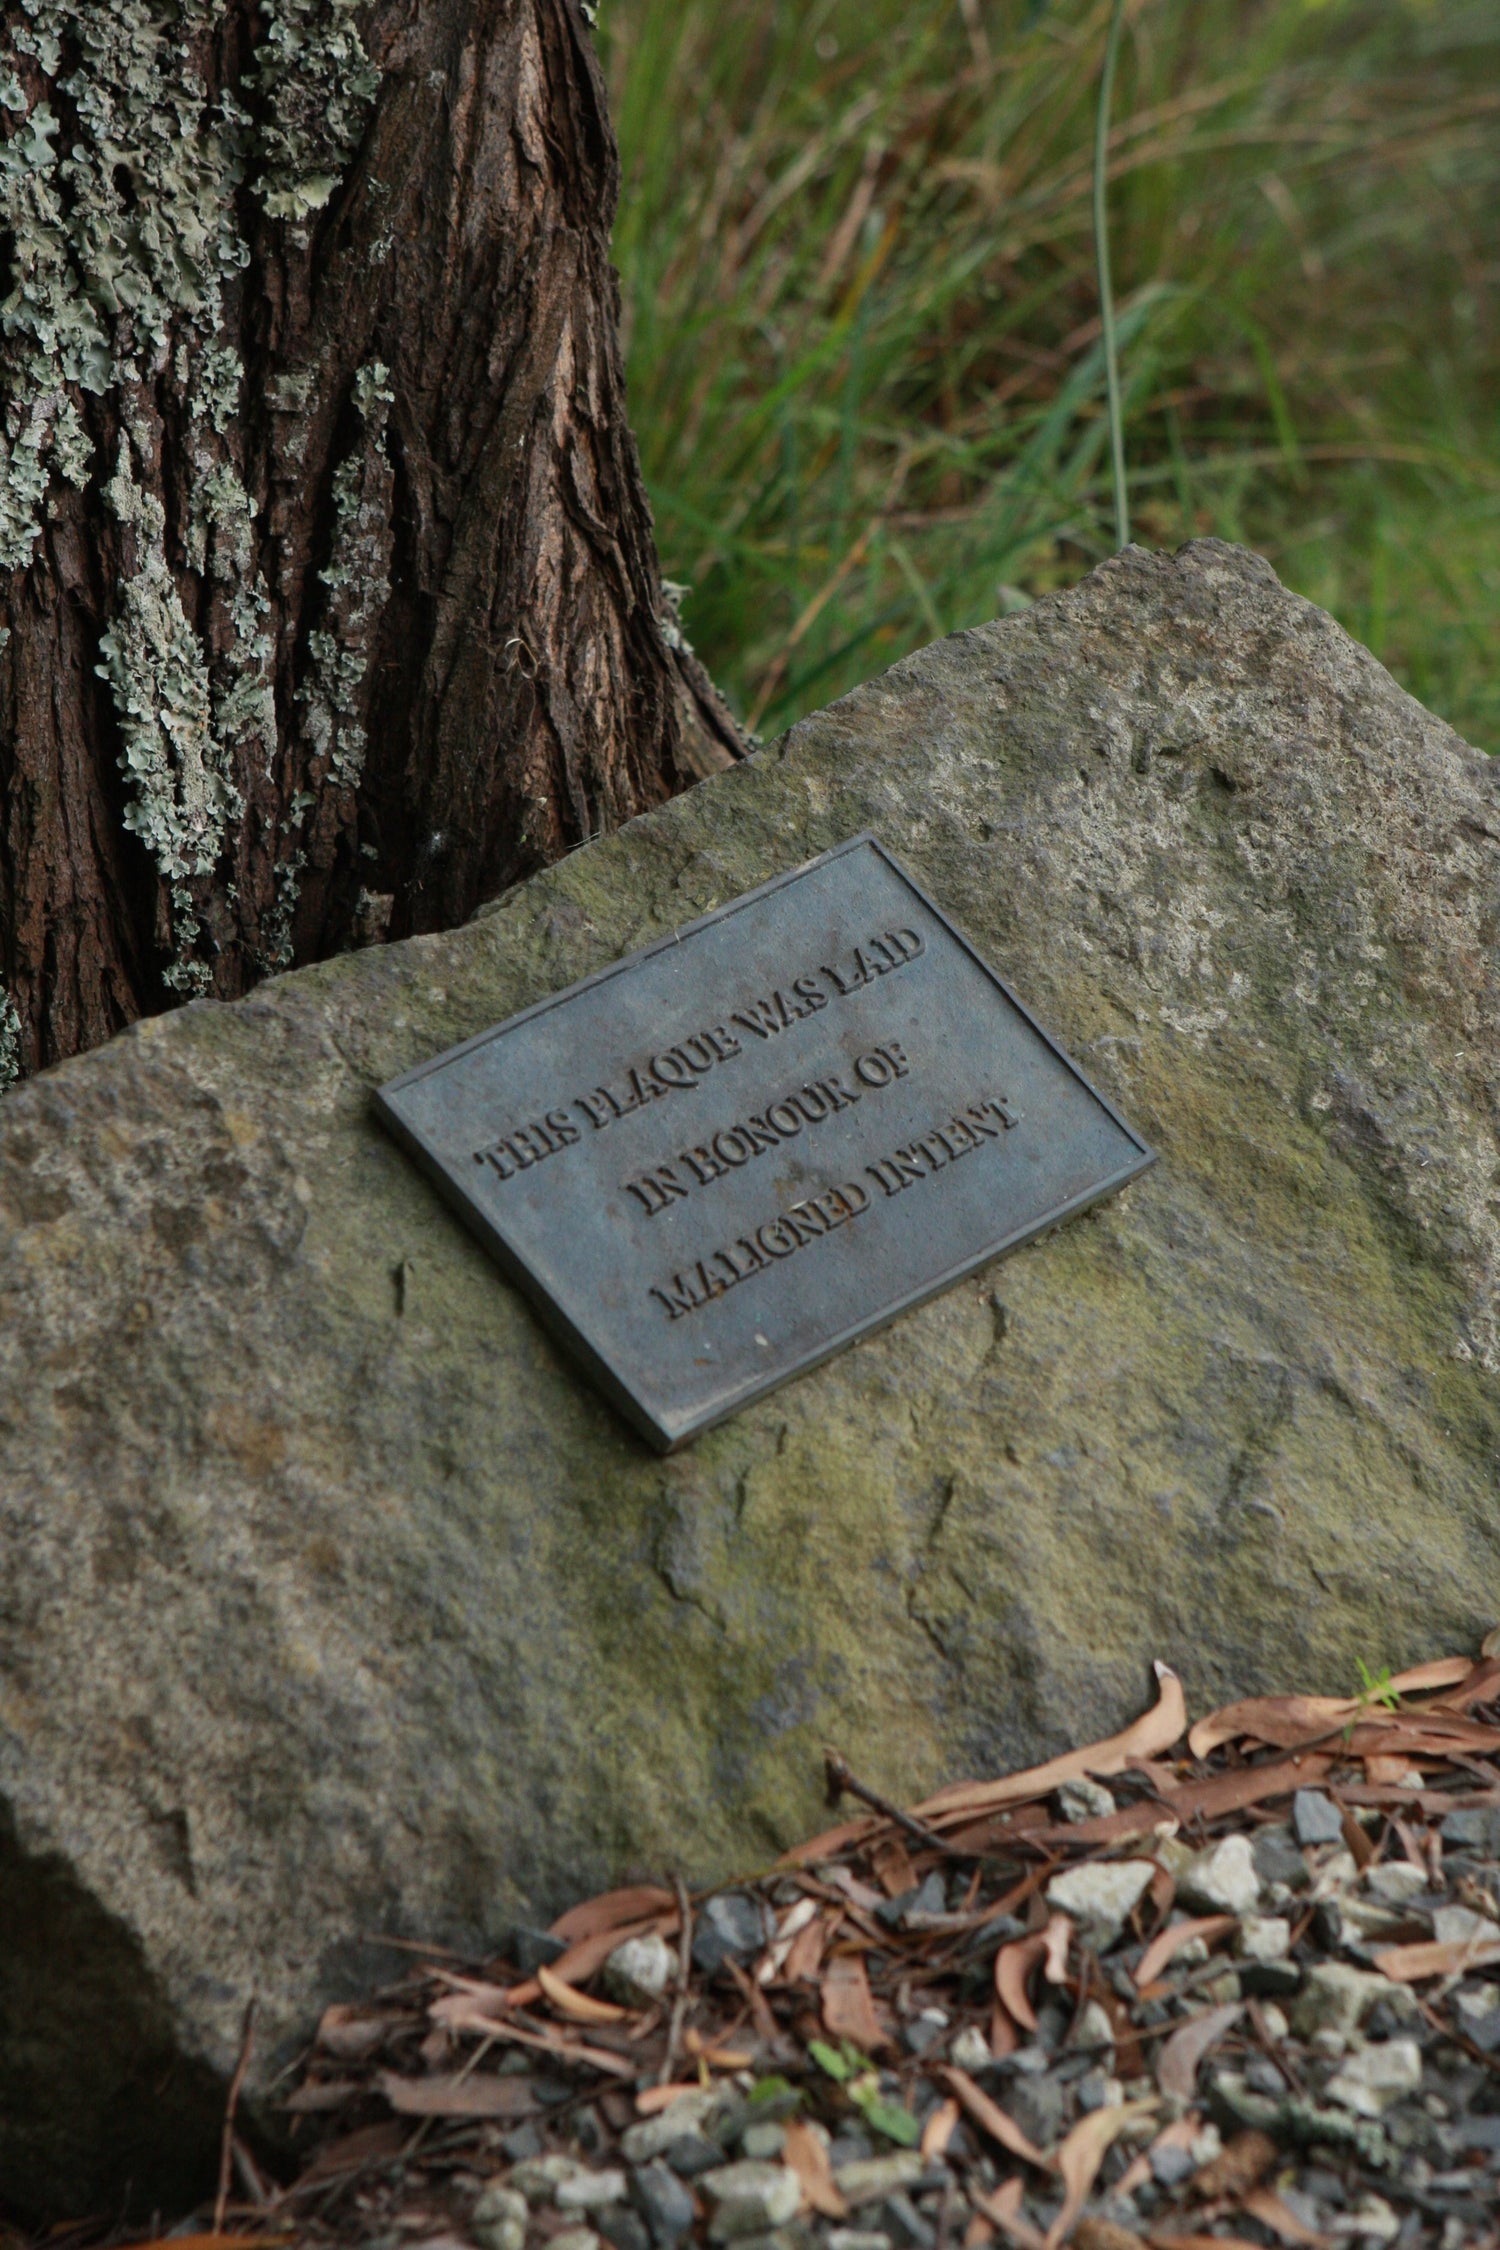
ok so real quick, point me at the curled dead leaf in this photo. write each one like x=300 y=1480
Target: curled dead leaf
x=610 y=1911
x=1161 y=1949
x=1056 y=1939
x=580 y=2006
x=1177 y=2064
x=939 y=2130
x=1435 y=1957
x=808 y=2158
x=1280 y=2219
x=651 y=2099
x=1103 y=2234
x=1280 y=1719
x=1013 y=1965
x=993 y=2118
x=848 y=2010
x=1080 y=2156
x=1003 y=2210
x=456 y=2095
x=1157 y=1730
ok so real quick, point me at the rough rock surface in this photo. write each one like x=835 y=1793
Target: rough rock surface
x=332 y=1602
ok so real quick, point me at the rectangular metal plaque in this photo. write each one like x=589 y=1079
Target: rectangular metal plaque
x=723 y=1159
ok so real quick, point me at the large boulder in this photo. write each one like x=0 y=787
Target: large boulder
x=334 y=1603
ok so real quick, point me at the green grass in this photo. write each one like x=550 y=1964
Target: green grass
x=862 y=321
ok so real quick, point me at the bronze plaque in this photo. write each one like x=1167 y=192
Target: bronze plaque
x=731 y=1154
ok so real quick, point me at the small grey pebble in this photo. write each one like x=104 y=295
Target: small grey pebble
x=693 y=2154
x=1052 y=2025
x=523 y=2142
x=1170 y=2166
x=625 y=2228
x=763 y=2138
x=731 y=1926
x=666 y=2205
x=1316 y=1819
x=1262 y=2077
x=1477 y=1826
x=899 y=2217
x=850 y=2148
x=1278 y=1858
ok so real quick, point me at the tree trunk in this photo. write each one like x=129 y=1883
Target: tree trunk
x=333 y=603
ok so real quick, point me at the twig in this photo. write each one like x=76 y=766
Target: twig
x=1106 y=285
x=226 y=2144
x=684 y=1971
x=840 y=1780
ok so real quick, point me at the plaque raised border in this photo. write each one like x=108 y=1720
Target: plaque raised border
x=583 y=1302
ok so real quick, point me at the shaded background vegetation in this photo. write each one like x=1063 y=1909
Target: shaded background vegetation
x=862 y=323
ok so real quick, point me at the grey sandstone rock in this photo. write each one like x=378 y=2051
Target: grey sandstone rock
x=332 y=1602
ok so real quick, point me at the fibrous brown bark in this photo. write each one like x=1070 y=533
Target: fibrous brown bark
x=333 y=603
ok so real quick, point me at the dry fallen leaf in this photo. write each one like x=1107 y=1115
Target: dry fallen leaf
x=1103 y=2234
x=1004 y=2209
x=1161 y=2240
x=1443 y=1672
x=651 y=2099
x=319 y=2097
x=1157 y=1730
x=457 y=2096
x=1056 y=1939
x=1080 y=2156
x=848 y=2010
x=351 y=2033
x=893 y=1867
x=589 y=1954
x=609 y=1911
x=211 y=2241
x=1281 y=1719
x=1161 y=1949
x=831 y=1842
x=1411 y=1964
x=1013 y=1965
x=789 y=1928
x=993 y=2118
x=939 y=2130
x=718 y=2058
x=805 y=1958
x=1266 y=2205
x=550 y=2041
x=1490 y=1645
x=1177 y=2064
x=808 y=2158
x=581 y=2006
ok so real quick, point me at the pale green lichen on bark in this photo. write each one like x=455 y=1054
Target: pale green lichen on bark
x=124 y=232
x=318 y=82
x=10 y=1040
x=358 y=583
x=155 y=664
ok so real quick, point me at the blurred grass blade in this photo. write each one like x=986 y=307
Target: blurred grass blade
x=1106 y=284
